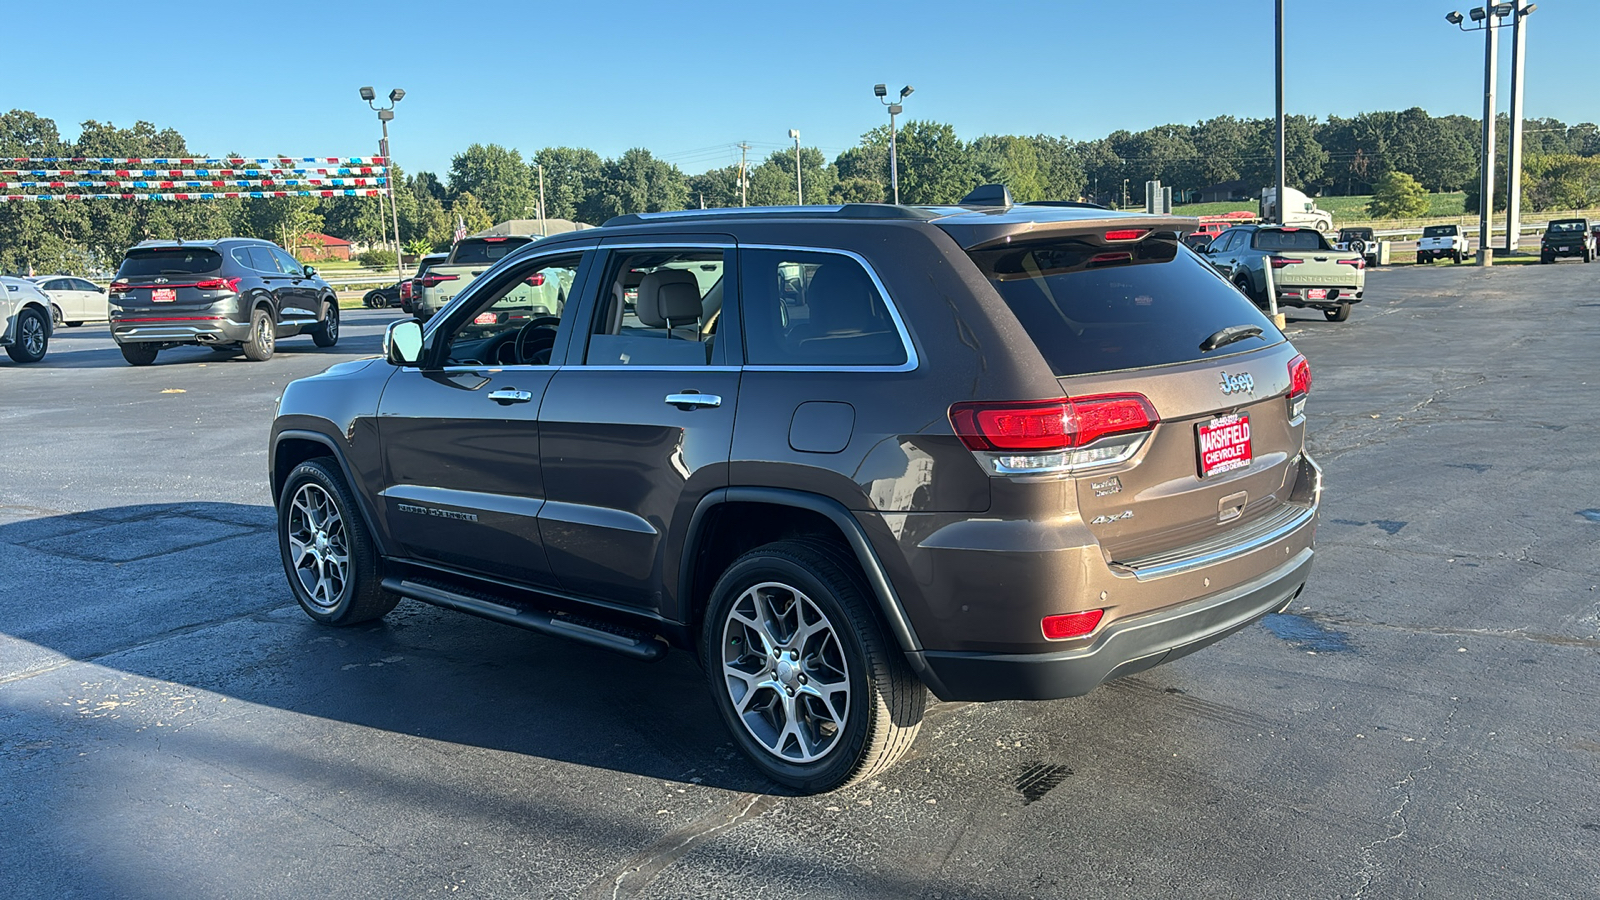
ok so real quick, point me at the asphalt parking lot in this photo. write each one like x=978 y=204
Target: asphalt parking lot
x=1423 y=722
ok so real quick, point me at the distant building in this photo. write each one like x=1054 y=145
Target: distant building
x=314 y=246
x=531 y=226
x=1227 y=192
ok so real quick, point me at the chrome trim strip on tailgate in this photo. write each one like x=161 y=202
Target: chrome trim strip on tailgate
x=1234 y=543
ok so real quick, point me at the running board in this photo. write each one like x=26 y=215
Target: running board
x=635 y=644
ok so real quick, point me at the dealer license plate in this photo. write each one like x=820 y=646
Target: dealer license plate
x=1224 y=444
x=163 y=295
x=1317 y=294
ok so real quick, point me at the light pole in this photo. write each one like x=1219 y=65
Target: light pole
x=385 y=113
x=1280 y=138
x=882 y=93
x=1519 y=37
x=1484 y=19
x=799 y=195
x=540 y=166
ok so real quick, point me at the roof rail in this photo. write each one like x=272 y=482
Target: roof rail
x=841 y=211
x=1074 y=204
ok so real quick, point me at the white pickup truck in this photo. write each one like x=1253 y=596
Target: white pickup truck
x=1442 y=242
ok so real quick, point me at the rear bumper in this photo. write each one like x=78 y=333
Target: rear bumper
x=178 y=329
x=1123 y=648
x=1297 y=295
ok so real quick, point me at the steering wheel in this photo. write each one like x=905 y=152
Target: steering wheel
x=536 y=339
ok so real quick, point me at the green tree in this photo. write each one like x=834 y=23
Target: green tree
x=1060 y=167
x=934 y=165
x=1398 y=196
x=1011 y=161
x=498 y=178
x=470 y=211
x=570 y=174
x=772 y=182
x=632 y=183
x=716 y=188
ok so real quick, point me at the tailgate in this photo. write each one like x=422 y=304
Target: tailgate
x=1164 y=498
x=1317 y=270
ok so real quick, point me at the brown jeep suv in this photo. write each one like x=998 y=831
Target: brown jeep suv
x=842 y=454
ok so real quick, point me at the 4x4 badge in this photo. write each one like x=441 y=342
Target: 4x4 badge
x=1238 y=384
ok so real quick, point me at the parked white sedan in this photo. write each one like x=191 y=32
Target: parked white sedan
x=73 y=300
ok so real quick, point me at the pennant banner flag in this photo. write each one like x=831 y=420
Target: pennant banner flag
x=230 y=195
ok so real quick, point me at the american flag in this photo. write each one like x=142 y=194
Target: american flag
x=461 y=230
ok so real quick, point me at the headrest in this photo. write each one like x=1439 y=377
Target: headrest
x=668 y=295
x=840 y=296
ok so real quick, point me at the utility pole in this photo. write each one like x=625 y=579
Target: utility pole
x=799 y=195
x=1491 y=47
x=1282 y=134
x=1519 y=36
x=743 y=150
x=541 y=201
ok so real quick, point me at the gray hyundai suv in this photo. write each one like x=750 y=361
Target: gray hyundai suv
x=846 y=455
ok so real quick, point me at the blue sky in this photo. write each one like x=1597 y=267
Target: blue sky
x=691 y=80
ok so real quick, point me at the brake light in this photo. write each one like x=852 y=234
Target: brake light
x=1127 y=234
x=1299 y=385
x=218 y=284
x=1279 y=262
x=494 y=240
x=485 y=318
x=405 y=290
x=1359 y=262
x=1051 y=437
x=536 y=279
x=431 y=280
x=119 y=287
x=1100 y=259
x=1071 y=625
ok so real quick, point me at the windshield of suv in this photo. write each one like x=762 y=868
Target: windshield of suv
x=1439 y=231
x=1298 y=239
x=169 y=261
x=1095 y=308
x=1566 y=226
x=484 y=250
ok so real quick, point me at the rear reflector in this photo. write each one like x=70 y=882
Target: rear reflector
x=1072 y=625
x=1050 y=424
x=1127 y=234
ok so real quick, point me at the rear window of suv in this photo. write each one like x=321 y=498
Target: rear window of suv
x=1575 y=226
x=1297 y=239
x=1097 y=308
x=484 y=250
x=169 y=261
x=1435 y=231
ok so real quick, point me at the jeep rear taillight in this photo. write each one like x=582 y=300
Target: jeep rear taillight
x=1299 y=386
x=1054 y=437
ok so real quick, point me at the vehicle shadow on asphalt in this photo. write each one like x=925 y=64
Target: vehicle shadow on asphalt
x=62 y=353
x=195 y=594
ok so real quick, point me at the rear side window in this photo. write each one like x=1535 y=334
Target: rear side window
x=169 y=261
x=804 y=308
x=1093 y=308
x=485 y=250
x=1298 y=239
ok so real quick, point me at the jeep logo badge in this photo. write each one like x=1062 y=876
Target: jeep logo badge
x=1238 y=384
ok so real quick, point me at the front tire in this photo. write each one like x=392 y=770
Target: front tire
x=372 y=300
x=56 y=318
x=802 y=673
x=30 y=337
x=327 y=552
x=139 y=354
x=327 y=334
x=262 y=341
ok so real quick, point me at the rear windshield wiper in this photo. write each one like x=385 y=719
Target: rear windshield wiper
x=1229 y=335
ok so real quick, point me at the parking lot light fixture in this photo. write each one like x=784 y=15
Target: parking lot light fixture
x=1454 y=18
x=1477 y=14
x=385 y=115
x=882 y=93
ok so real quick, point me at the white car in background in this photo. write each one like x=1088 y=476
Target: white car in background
x=24 y=319
x=73 y=300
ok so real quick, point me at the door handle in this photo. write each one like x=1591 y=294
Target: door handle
x=508 y=396
x=693 y=399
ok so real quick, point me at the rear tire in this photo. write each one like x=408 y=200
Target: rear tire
x=813 y=691
x=139 y=354
x=372 y=300
x=327 y=334
x=262 y=342
x=328 y=555
x=1338 y=315
x=1243 y=284
x=30 y=337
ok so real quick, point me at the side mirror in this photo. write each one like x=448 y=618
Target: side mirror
x=310 y=271
x=402 y=342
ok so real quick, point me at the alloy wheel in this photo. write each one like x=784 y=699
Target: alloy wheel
x=33 y=335
x=318 y=546
x=785 y=672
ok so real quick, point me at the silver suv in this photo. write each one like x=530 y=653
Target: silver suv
x=26 y=316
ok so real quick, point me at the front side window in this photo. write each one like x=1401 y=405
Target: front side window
x=287 y=263
x=813 y=308
x=658 y=307
x=515 y=322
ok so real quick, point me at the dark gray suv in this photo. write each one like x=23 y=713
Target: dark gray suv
x=231 y=294
x=845 y=455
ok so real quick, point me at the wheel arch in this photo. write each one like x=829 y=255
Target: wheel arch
x=292 y=447
x=731 y=521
